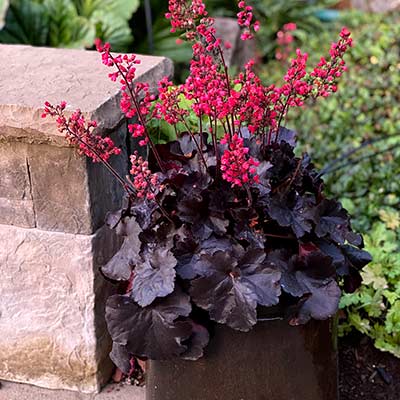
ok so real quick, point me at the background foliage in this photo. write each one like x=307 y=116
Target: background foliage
x=68 y=23
x=272 y=14
x=365 y=112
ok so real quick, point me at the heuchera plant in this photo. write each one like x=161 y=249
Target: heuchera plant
x=218 y=227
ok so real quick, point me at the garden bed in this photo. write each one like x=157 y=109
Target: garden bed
x=367 y=373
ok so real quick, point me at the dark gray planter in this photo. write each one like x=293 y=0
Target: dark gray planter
x=274 y=361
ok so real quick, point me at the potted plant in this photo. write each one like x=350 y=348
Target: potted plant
x=225 y=229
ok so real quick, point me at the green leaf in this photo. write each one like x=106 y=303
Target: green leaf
x=3 y=10
x=393 y=319
x=112 y=29
x=67 y=28
x=110 y=17
x=390 y=217
x=27 y=22
x=67 y=23
x=359 y=323
x=372 y=275
x=119 y=8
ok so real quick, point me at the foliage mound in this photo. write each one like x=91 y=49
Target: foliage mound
x=218 y=226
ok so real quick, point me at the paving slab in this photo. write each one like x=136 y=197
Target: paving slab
x=19 y=391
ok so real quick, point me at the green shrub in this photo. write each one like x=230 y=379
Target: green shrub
x=67 y=23
x=274 y=14
x=365 y=112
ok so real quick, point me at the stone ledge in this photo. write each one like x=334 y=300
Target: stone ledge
x=241 y=51
x=31 y=75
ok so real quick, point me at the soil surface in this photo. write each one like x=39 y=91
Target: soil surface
x=367 y=373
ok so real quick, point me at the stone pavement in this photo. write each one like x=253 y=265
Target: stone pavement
x=19 y=391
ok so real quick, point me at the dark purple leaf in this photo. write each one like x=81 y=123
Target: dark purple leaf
x=312 y=278
x=220 y=292
x=229 y=287
x=146 y=213
x=358 y=258
x=245 y=218
x=113 y=218
x=354 y=238
x=322 y=303
x=352 y=281
x=120 y=266
x=299 y=271
x=196 y=343
x=263 y=280
x=185 y=248
x=287 y=135
x=120 y=357
x=295 y=214
x=186 y=265
x=332 y=220
x=189 y=145
x=151 y=331
x=154 y=275
x=332 y=250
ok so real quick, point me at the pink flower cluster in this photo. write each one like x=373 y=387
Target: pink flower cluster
x=168 y=106
x=184 y=14
x=135 y=101
x=236 y=166
x=79 y=133
x=144 y=181
x=219 y=101
x=285 y=41
x=207 y=87
x=255 y=105
x=327 y=72
x=246 y=20
x=296 y=89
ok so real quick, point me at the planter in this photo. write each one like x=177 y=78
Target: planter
x=274 y=361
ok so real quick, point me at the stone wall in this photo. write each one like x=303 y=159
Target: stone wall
x=52 y=207
x=376 y=5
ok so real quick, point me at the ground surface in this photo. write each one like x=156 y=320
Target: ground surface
x=366 y=373
x=16 y=391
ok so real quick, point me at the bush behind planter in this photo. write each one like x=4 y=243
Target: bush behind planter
x=365 y=114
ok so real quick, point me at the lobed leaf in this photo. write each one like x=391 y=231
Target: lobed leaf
x=230 y=288
x=154 y=275
x=151 y=331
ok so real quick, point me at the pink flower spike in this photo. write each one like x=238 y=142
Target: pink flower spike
x=79 y=133
x=237 y=168
x=245 y=20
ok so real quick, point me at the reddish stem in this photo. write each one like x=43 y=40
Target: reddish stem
x=140 y=116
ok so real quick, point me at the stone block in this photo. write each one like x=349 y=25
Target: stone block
x=31 y=75
x=16 y=204
x=376 y=5
x=59 y=189
x=52 y=328
x=241 y=51
x=71 y=193
x=52 y=207
x=44 y=183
